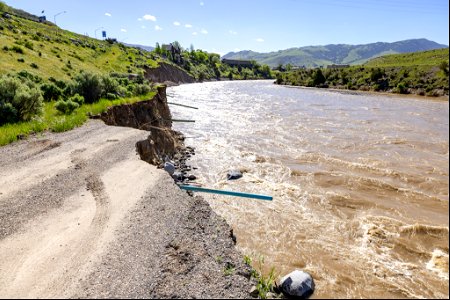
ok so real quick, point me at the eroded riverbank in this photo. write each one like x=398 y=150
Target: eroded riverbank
x=81 y=215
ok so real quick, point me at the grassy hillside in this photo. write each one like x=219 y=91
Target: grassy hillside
x=421 y=73
x=52 y=79
x=48 y=51
x=426 y=58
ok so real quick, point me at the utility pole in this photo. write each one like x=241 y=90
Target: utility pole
x=54 y=19
x=96 y=31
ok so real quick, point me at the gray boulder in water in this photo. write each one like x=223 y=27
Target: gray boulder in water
x=298 y=284
x=234 y=174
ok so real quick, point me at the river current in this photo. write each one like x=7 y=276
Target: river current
x=360 y=182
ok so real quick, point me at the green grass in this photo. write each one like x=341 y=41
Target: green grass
x=45 y=51
x=265 y=282
x=425 y=58
x=54 y=121
x=49 y=51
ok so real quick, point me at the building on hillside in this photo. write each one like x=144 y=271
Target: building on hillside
x=335 y=66
x=238 y=63
x=175 y=51
x=171 y=48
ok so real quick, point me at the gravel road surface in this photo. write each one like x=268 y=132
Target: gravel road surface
x=81 y=216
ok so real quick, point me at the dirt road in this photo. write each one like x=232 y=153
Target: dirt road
x=82 y=216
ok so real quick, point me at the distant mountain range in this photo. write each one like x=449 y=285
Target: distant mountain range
x=313 y=56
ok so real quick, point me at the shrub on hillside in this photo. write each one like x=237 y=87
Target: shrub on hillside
x=444 y=67
x=124 y=92
x=28 y=102
x=77 y=99
x=141 y=89
x=110 y=85
x=27 y=76
x=8 y=114
x=17 y=49
x=66 y=107
x=19 y=100
x=89 y=86
x=51 y=91
x=59 y=83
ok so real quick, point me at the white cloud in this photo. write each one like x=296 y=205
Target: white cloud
x=157 y=28
x=149 y=18
x=139 y=19
x=123 y=30
x=237 y=49
x=260 y=40
x=204 y=31
x=202 y=3
x=194 y=33
x=188 y=26
x=176 y=23
x=232 y=32
x=143 y=27
x=108 y=15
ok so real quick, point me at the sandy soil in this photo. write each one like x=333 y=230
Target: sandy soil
x=82 y=216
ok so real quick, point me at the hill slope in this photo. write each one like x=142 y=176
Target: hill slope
x=421 y=73
x=48 y=51
x=313 y=56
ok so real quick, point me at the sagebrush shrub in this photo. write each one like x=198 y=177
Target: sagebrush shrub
x=20 y=100
x=89 y=86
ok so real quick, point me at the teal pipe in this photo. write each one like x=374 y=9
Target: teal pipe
x=227 y=193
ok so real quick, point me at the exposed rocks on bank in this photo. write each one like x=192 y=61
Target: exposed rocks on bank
x=167 y=73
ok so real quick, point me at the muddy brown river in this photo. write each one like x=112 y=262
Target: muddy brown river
x=360 y=182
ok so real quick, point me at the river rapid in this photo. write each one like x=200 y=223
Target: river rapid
x=360 y=182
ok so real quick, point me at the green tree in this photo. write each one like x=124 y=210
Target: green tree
x=177 y=45
x=444 y=67
x=158 y=49
x=318 y=78
x=288 y=67
x=376 y=74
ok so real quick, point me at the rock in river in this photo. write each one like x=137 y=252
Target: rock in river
x=297 y=284
x=234 y=174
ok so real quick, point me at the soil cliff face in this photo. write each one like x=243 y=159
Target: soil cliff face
x=168 y=73
x=153 y=116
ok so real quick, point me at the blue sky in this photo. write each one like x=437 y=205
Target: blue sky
x=260 y=25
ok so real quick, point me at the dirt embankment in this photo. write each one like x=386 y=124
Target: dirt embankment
x=81 y=216
x=153 y=116
x=167 y=73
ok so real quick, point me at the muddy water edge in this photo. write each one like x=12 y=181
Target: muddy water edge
x=360 y=182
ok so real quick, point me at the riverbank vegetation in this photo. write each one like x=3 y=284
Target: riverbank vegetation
x=28 y=105
x=422 y=73
x=208 y=66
